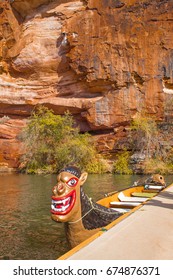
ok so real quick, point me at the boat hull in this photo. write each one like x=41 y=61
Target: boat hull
x=127 y=192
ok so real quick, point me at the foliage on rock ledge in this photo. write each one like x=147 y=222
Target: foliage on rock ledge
x=150 y=140
x=51 y=141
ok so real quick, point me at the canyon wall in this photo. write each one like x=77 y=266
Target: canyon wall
x=102 y=60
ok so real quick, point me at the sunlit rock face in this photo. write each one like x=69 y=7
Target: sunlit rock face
x=102 y=60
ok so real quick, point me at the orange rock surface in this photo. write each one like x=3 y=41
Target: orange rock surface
x=102 y=60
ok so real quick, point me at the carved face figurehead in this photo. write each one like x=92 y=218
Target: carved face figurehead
x=159 y=179
x=66 y=194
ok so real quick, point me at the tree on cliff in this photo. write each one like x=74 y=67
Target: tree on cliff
x=51 y=141
x=145 y=138
x=151 y=142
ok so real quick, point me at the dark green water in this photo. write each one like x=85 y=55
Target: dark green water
x=26 y=229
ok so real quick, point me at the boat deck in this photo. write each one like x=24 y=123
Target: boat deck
x=146 y=234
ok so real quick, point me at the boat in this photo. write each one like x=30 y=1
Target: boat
x=82 y=217
x=130 y=236
x=133 y=196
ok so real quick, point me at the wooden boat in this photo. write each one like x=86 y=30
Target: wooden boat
x=84 y=218
x=130 y=197
x=125 y=207
x=138 y=231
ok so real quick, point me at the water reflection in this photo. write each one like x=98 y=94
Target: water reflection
x=26 y=229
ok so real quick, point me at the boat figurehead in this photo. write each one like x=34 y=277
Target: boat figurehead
x=158 y=179
x=65 y=205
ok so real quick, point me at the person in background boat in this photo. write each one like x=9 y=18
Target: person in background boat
x=82 y=217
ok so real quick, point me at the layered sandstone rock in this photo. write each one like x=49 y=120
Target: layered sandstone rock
x=103 y=60
x=10 y=145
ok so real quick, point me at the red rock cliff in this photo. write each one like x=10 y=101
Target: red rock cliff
x=103 y=60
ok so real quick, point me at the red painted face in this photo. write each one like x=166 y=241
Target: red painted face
x=66 y=204
x=63 y=205
x=64 y=199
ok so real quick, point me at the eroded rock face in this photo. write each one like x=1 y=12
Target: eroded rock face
x=103 y=60
x=11 y=148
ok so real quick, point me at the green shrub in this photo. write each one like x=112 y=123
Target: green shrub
x=121 y=165
x=157 y=166
x=51 y=141
x=145 y=136
x=98 y=166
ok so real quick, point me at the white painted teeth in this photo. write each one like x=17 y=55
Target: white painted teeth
x=63 y=201
x=63 y=205
x=63 y=208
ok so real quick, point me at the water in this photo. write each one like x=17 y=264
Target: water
x=26 y=229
